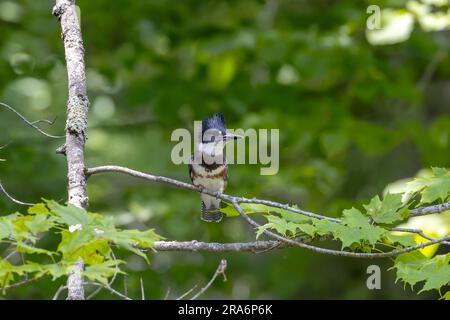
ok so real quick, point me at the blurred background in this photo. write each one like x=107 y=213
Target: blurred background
x=357 y=109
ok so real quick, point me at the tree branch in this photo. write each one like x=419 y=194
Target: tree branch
x=32 y=124
x=188 y=186
x=76 y=124
x=285 y=241
x=13 y=199
x=392 y=253
x=77 y=104
x=254 y=247
x=220 y=270
x=118 y=169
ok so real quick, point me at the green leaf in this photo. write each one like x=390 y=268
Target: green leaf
x=284 y=227
x=56 y=270
x=250 y=208
x=39 y=208
x=405 y=240
x=413 y=268
x=144 y=239
x=435 y=187
x=309 y=229
x=72 y=241
x=27 y=268
x=39 y=223
x=131 y=239
x=359 y=225
x=437 y=271
x=387 y=211
x=93 y=252
x=354 y=229
x=6 y=273
x=102 y=271
x=70 y=214
x=6 y=227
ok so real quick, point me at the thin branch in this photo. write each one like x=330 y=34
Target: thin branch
x=189 y=186
x=13 y=199
x=220 y=270
x=4 y=146
x=254 y=247
x=336 y=252
x=32 y=124
x=418 y=232
x=50 y=122
x=9 y=255
x=422 y=211
x=58 y=292
x=142 y=289
x=187 y=293
x=180 y=184
x=20 y=283
x=108 y=288
x=167 y=293
x=62 y=288
x=236 y=200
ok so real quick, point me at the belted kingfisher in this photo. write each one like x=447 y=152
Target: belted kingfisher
x=208 y=167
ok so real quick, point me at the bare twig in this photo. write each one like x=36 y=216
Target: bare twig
x=20 y=283
x=13 y=199
x=62 y=288
x=9 y=255
x=58 y=292
x=108 y=288
x=418 y=232
x=142 y=289
x=31 y=124
x=220 y=270
x=187 y=293
x=50 y=122
x=167 y=294
x=4 y=146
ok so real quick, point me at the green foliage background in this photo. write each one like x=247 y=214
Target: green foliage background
x=352 y=118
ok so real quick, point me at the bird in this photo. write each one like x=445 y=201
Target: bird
x=208 y=167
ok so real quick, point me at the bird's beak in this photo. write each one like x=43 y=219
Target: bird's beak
x=231 y=136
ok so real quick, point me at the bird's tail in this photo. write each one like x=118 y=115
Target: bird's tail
x=211 y=215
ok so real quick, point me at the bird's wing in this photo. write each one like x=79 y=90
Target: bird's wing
x=190 y=169
x=225 y=177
